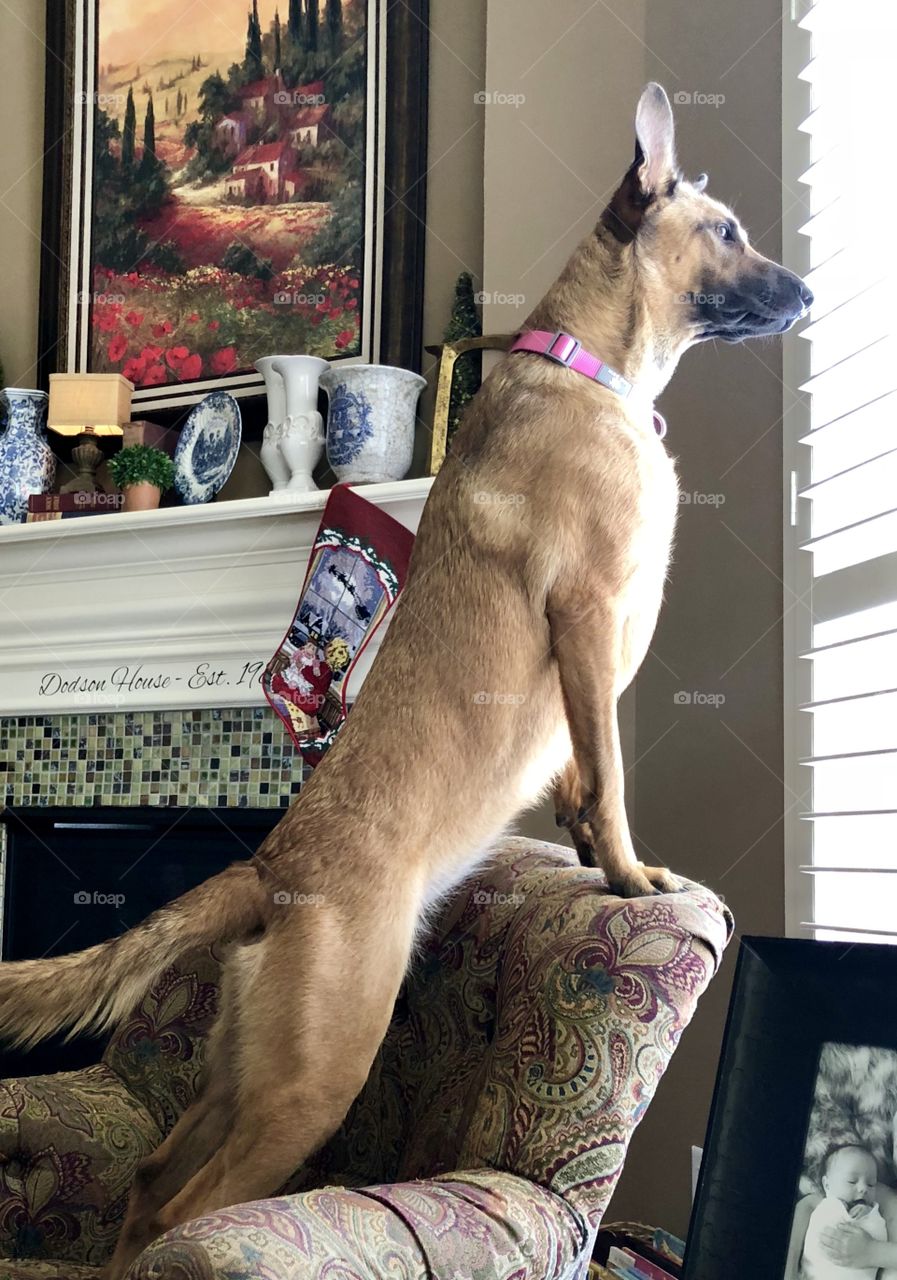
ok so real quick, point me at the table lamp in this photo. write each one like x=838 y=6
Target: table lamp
x=88 y=405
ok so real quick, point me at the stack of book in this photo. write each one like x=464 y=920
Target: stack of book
x=625 y=1264
x=69 y=506
x=634 y=1251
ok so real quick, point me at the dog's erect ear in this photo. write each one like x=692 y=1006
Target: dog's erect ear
x=655 y=136
x=653 y=172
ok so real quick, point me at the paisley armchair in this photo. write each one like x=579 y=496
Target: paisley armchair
x=524 y=1049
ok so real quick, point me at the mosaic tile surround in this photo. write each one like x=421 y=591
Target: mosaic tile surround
x=240 y=757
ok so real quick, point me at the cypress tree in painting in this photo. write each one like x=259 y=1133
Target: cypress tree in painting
x=277 y=58
x=148 y=162
x=334 y=24
x=128 y=133
x=294 y=22
x=254 y=44
x=311 y=15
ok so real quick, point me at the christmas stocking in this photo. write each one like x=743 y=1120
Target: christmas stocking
x=357 y=569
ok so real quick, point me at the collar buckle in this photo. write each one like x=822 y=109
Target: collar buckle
x=568 y=353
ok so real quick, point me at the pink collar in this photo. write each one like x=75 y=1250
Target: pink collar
x=562 y=348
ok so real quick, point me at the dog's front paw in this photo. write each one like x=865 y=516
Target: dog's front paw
x=640 y=881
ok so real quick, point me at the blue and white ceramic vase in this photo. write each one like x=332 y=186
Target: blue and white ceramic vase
x=370 y=425
x=27 y=464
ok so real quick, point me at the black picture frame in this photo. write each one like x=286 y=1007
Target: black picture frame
x=402 y=229
x=790 y=998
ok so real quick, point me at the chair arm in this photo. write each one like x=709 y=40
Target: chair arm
x=69 y=1145
x=594 y=993
x=472 y=1224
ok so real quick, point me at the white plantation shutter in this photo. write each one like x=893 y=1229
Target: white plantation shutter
x=840 y=201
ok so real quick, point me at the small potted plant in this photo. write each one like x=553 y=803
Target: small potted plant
x=143 y=473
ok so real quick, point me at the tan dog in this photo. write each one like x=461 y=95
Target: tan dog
x=532 y=596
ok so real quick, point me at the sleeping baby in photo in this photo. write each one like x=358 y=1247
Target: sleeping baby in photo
x=850 y=1176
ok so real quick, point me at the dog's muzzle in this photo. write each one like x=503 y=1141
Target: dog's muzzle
x=753 y=307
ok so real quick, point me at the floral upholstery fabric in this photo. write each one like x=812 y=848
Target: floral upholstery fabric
x=69 y=1146
x=479 y=1226
x=524 y=1049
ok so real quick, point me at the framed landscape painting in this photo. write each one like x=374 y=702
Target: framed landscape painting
x=231 y=180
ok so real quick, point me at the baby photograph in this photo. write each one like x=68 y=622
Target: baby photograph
x=845 y=1217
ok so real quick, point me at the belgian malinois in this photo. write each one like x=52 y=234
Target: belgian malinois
x=531 y=599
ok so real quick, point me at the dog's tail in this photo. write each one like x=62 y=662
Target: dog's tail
x=93 y=990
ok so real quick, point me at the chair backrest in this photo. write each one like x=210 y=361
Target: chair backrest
x=529 y=1037
x=532 y=1031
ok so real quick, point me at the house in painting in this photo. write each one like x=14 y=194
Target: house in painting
x=259 y=173
x=294 y=183
x=257 y=98
x=231 y=132
x=268 y=172
x=309 y=125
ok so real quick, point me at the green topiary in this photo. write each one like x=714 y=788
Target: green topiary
x=468 y=372
x=139 y=464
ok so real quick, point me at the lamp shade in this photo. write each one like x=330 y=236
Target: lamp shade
x=96 y=403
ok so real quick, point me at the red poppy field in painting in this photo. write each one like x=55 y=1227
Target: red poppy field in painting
x=228 y=215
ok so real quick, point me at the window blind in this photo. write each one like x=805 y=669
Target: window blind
x=841 y=472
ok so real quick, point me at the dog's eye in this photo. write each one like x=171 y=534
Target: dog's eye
x=724 y=231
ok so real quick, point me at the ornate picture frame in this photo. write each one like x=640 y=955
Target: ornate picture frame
x=302 y=144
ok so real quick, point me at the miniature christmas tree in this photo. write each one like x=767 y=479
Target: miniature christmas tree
x=468 y=373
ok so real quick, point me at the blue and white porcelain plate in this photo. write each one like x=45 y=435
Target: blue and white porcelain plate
x=207 y=448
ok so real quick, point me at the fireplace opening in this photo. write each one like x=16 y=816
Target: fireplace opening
x=75 y=877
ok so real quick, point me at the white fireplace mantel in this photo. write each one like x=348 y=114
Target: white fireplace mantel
x=175 y=608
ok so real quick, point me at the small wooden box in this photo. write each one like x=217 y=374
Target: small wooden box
x=89 y=400
x=142 y=432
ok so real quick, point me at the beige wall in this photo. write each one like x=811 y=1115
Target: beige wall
x=22 y=148
x=708 y=795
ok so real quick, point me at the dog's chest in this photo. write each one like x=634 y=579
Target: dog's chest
x=656 y=507
x=636 y=499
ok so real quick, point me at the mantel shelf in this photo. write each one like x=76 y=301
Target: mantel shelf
x=175 y=608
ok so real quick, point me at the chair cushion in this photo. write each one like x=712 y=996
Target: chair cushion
x=479 y=1225
x=69 y=1146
